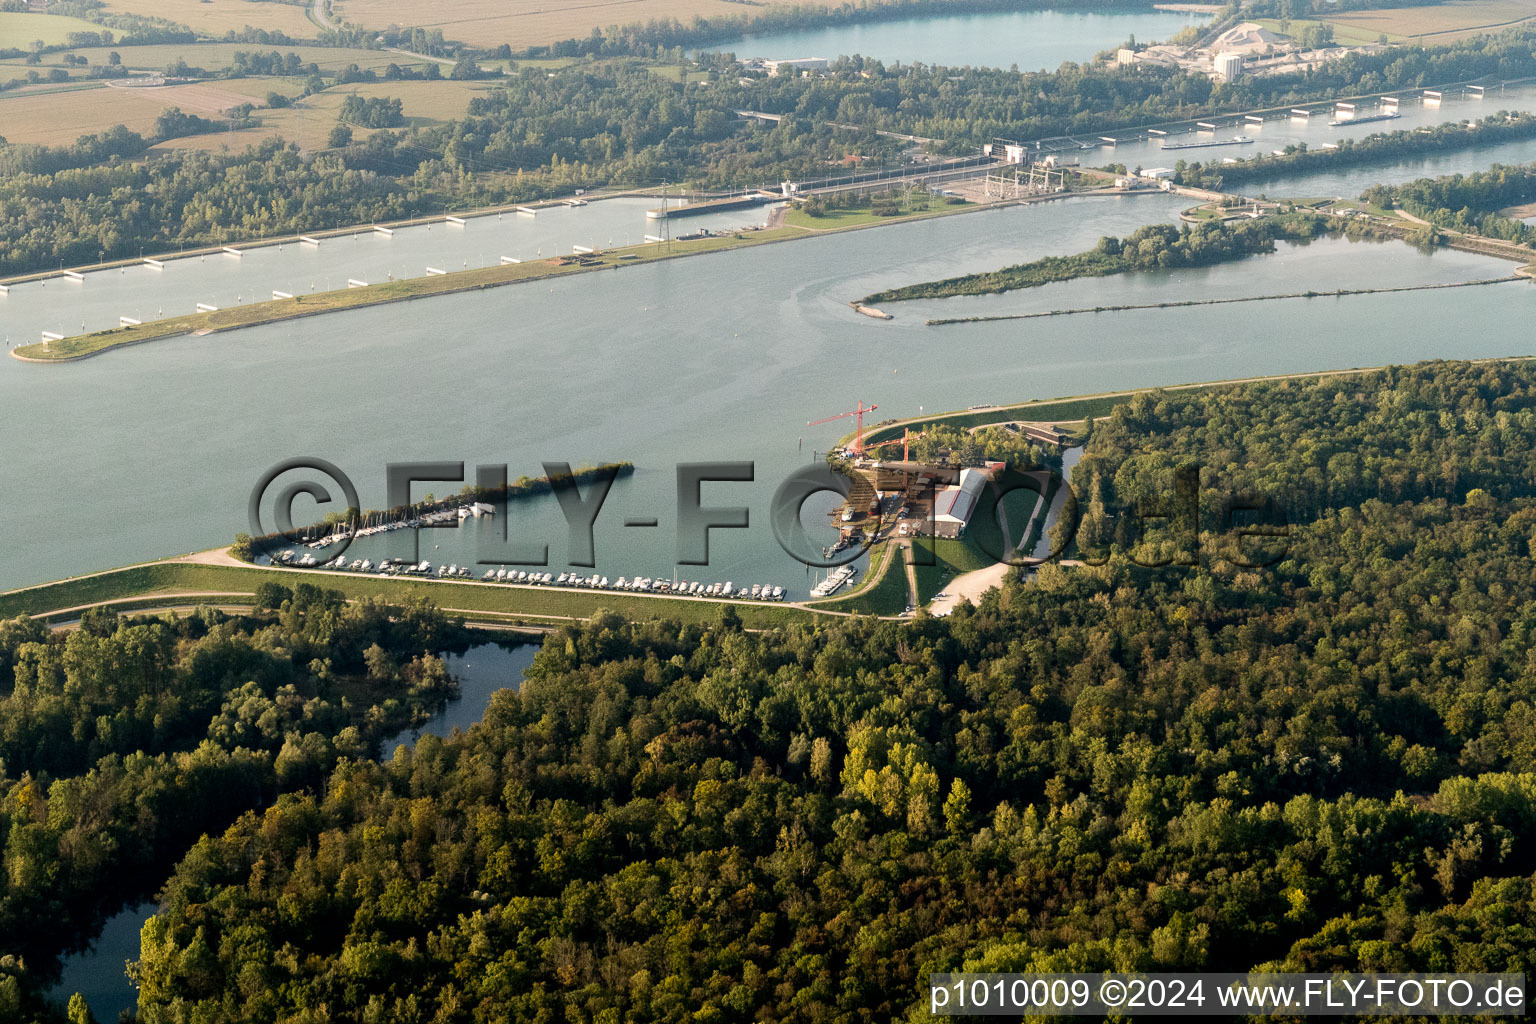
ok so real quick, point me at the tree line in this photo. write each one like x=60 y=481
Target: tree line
x=1152 y=247
x=123 y=741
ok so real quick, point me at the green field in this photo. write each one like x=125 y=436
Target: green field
x=950 y=558
x=19 y=31
x=168 y=579
x=1054 y=411
x=1343 y=35
x=886 y=595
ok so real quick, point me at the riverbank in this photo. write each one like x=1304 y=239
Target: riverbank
x=177 y=582
x=1076 y=408
x=1153 y=247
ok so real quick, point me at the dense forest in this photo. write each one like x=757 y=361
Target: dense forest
x=125 y=740
x=1326 y=764
x=618 y=122
x=1153 y=247
x=1467 y=202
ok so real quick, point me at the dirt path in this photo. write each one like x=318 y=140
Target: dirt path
x=969 y=587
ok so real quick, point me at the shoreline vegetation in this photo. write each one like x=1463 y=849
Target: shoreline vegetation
x=1076 y=408
x=1339 y=293
x=1153 y=247
x=1381 y=147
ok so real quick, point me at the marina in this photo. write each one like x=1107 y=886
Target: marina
x=834 y=582
x=673 y=587
x=642 y=345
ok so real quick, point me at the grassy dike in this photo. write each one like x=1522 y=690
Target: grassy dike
x=182 y=583
x=254 y=314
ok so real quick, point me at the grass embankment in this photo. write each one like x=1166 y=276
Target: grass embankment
x=1153 y=247
x=235 y=584
x=277 y=310
x=882 y=592
x=1052 y=411
x=949 y=558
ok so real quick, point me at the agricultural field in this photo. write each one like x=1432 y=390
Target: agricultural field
x=1343 y=35
x=216 y=17
x=213 y=56
x=309 y=122
x=21 y=30
x=63 y=117
x=524 y=23
x=1441 y=23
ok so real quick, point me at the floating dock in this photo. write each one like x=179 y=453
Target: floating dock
x=383 y=231
x=309 y=240
x=231 y=250
x=156 y=264
x=455 y=220
x=203 y=307
x=510 y=259
x=281 y=295
x=74 y=275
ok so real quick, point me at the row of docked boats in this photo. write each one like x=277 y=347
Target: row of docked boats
x=636 y=584
x=442 y=517
x=834 y=581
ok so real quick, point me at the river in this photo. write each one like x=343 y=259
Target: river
x=722 y=357
x=97 y=973
x=1032 y=40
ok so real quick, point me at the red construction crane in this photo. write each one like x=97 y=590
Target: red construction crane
x=858 y=436
x=904 y=440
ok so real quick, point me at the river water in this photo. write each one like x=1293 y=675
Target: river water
x=98 y=973
x=723 y=357
x=1030 y=39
